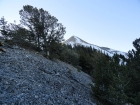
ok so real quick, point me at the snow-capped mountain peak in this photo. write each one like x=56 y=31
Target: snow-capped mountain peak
x=74 y=41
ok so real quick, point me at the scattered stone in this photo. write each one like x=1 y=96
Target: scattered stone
x=28 y=78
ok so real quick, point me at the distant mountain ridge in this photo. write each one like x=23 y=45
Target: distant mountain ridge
x=74 y=40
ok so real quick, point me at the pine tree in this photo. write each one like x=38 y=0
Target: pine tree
x=43 y=27
x=133 y=64
x=111 y=79
x=3 y=27
x=119 y=81
x=101 y=78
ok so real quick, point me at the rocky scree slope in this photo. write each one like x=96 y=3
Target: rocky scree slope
x=27 y=78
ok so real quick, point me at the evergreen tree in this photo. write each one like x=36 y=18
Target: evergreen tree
x=69 y=55
x=133 y=64
x=86 y=58
x=3 y=27
x=111 y=79
x=101 y=78
x=44 y=27
x=119 y=81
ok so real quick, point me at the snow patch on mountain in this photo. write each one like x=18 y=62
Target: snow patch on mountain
x=74 y=41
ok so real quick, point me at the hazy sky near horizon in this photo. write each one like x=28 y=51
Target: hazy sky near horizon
x=107 y=23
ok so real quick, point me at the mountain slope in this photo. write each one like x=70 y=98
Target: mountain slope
x=74 y=40
x=27 y=78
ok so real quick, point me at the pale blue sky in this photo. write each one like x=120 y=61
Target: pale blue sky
x=109 y=23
